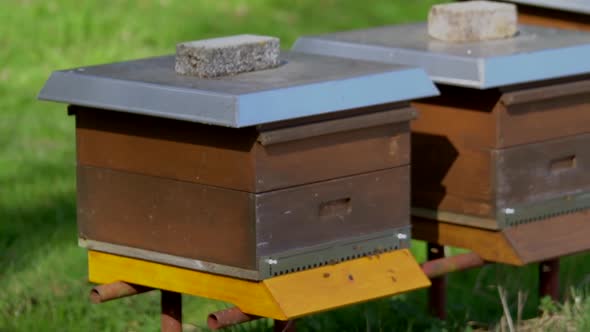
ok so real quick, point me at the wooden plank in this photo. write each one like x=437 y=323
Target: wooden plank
x=362 y=121
x=332 y=116
x=534 y=113
x=455 y=218
x=551 y=238
x=173 y=149
x=359 y=280
x=545 y=110
x=537 y=172
x=451 y=163
x=491 y=245
x=250 y=296
x=462 y=115
x=232 y=158
x=173 y=217
x=454 y=208
x=546 y=92
x=332 y=210
x=331 y=156
x=448 y=176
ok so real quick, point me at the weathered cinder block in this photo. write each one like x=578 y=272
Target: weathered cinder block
x=227 y=55
x=472 y=21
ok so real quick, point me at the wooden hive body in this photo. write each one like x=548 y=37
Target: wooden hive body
x=302 y=192
x=500 y=157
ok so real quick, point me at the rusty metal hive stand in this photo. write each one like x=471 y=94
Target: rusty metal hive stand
x=500 y=160
x=572 y=14
x=269 y=189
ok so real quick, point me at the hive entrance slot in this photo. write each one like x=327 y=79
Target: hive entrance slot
x=562 y=164
x=338 y=207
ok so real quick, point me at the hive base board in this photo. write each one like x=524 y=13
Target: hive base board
x=518 y=245
x=274 y=265
x=284 y=297
x=194 y=221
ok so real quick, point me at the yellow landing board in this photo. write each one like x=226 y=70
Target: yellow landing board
x=517 y=245
x=284 y=297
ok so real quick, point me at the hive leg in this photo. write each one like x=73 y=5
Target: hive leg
x=437 y=293
x=115 y=290
x=549 y=279
x=171 y=316
x=284 y=326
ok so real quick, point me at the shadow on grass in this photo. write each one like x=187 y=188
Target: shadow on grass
x=38 y=212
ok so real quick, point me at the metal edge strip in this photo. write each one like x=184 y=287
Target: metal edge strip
x=514 y=215
x=332 y=96
x=153 y=256
x=471 y=77
x=334 y=252
x=480 y=73
x=538 y=211
x=525 y=67
x=141 y=98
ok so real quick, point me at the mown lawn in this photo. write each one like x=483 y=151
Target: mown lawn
x=43 y=272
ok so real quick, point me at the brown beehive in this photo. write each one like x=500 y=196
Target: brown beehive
x=500 y=158
x=253 y=175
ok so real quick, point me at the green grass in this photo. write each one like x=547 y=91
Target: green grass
x=43 y=272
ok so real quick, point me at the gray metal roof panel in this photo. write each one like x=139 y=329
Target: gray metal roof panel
x=536 y=53
x=303 y=85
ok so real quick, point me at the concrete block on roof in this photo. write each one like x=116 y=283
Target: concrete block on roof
x=225 y=56
x=472 y=21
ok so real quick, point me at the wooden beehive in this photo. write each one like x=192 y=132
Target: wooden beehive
x=503 y=156
x=500 y=160
x=253 y=175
